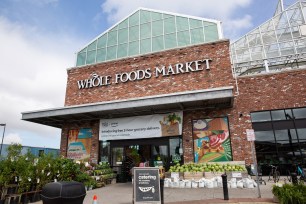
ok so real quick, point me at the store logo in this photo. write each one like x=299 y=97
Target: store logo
x=96 y=80
x=105 y=124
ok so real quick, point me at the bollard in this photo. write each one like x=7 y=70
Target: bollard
x=225 y=189
x=162 y=190
x=95 y=200
x=294 y=178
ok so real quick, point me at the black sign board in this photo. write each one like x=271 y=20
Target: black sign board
x=146 y=185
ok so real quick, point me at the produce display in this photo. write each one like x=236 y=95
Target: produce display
x=104 y=171
x=207 y=167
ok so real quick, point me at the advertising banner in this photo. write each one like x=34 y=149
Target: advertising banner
x=79 y=144
x=211 y=140
x=141 y=126
x=146 y=185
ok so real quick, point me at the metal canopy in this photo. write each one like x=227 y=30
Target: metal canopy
x=215 y=98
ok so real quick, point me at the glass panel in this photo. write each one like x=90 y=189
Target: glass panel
x=176 y=150
x=269 y=37
x=157 y=43
x=288 y=114
x=157 y=28
x=261 y=116
x=195 y=23
x=112 y=38
x=111 y=53
x=104 y=151
x=288 y=135
x=122 y=50
x=134 y=48
x=280 y=21
x=295 y=32
x=81 y=58
x=264 y=135
x=169 y=25
x=134 y=19
x=145 y=30
x=91 y=57
x=101 y=55
x=197 y=35
x=265 y=146
x=301 y=133
x=254 y=39
x=160 y=154
x=284 y=34
x=145 y=16
x=286 y=48
x=145 y=46
x=123 y=36
x=123 y=24
x=156 y=16
x=183 y=38
x=92 y=46
x=211 y=33
x=134 y=33
x=170 y=41
x=182 y=23
x=117 y=156
x=299 y=113
x=102 y=41
x=278 y=115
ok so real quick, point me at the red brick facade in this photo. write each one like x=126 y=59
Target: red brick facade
x=261 y=92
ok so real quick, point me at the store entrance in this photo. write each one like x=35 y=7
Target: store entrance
x=138 y=153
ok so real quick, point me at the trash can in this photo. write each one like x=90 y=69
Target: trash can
x=63 y=192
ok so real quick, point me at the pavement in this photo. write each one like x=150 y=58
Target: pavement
x=122 y=193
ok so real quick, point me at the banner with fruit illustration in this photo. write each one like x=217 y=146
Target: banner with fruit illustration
x=211 y=140
x=79 y=144
x=147 y=126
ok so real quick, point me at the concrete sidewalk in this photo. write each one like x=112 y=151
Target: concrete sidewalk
x=121 y=193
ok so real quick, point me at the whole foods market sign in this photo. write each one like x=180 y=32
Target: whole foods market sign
x=180 y=68
x=147 y=126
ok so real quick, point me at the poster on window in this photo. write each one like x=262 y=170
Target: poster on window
x=211 y=140
x=79 y=144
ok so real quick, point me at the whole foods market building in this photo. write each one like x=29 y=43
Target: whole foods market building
x=158 y=88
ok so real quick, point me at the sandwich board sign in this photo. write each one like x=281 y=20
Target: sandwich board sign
x=146 y=185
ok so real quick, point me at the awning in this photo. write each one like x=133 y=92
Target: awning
x=215 y=98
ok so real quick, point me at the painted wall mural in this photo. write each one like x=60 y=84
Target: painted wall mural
x=79 y=144
x=211 y=140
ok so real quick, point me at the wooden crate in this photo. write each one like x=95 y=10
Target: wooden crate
x=193 y=175
x=209 y=175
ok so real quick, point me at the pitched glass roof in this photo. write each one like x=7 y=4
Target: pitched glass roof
x=277 y=44
x=146 y=31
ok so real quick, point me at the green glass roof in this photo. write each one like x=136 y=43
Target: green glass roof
x=146 y=31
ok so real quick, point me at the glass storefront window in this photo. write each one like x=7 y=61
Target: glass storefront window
x=299 y=113
x=104 y=151
x=302 y=133
x=117 y=156
x=261 y=116
x=288 y=134
x=176 y=150
x=264 y=135
x=160 y=155
x=278 y=115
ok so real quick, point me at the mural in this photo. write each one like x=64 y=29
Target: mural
x=79 y=144
x=211 y=140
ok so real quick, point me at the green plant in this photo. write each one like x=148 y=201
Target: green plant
x=290 y=194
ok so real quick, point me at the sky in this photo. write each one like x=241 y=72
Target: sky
x=39 y=39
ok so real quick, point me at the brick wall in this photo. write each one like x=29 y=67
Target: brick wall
x=261 y=92
x=219 y=75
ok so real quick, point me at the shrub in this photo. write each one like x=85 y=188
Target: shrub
x=290 y=194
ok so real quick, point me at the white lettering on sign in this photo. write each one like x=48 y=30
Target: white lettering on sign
x=179 y=68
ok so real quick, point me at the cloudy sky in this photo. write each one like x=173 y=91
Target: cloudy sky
x=39 y=38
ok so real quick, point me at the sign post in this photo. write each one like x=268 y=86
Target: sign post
x=146 y=185
x=251 y=138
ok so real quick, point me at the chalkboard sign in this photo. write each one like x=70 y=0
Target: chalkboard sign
x=146 y=185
